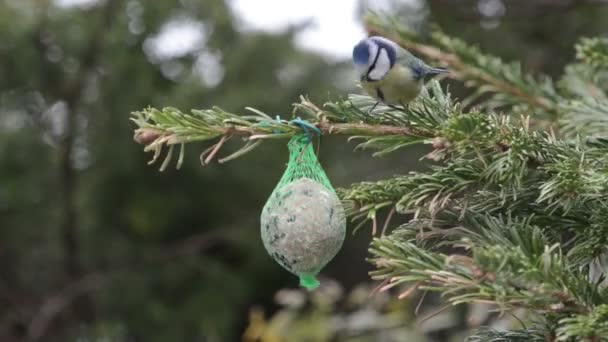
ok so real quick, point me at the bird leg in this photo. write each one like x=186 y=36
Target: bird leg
x=372 y=109
x=405 y=106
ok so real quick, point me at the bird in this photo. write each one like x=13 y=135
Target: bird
x=390 y=73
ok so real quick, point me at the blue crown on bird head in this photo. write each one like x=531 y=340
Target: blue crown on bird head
x=373 y=57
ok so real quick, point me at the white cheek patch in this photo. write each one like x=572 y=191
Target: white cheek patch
x=373 y=51
x=383 y=65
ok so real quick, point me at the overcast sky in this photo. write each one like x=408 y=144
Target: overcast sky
x=334 y=30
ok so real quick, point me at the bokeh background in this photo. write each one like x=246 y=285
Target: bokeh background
x=96 y=245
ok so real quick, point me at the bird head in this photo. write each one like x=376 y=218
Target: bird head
x=374 y=57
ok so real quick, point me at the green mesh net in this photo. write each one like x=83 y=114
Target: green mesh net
x=303 y=223
x=303 y=163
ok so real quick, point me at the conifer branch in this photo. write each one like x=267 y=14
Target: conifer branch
x=526 y=335
x=587 y=116
x=582 y=81
x=593 y=51
x=508 y=263
x=386 y=129
x=593 y=325
x=467 y=63
x=512 y=215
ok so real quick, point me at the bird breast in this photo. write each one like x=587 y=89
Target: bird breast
x=397 y=86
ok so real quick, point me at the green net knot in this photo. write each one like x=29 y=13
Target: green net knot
x=303 y=163
x=309 y=281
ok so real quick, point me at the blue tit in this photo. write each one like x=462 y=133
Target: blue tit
x=388 y=72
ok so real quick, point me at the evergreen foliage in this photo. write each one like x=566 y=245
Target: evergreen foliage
x=515 y=212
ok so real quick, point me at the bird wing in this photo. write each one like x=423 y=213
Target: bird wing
x=417 y=67
x=404 y=55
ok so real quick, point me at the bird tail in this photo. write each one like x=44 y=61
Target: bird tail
x=436 y=71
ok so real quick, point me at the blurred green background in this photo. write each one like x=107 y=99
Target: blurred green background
x=96 y=245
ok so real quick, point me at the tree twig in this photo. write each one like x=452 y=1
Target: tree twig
x=56 y=304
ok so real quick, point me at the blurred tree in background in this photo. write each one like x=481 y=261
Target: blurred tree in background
x=89 y=233
x=93 y=242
